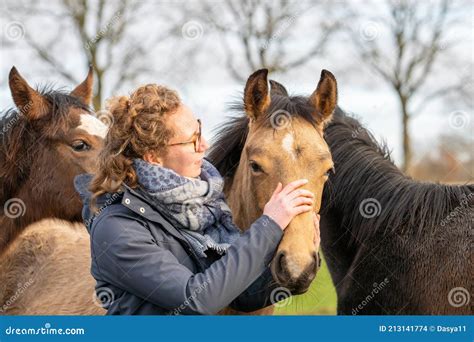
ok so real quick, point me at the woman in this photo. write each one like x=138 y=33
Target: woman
x=162 y=237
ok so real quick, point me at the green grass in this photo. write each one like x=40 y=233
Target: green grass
x=320 y=299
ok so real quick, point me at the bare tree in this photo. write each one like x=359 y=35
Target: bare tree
x=102 y=35
x=404 y=43
x=278 y=35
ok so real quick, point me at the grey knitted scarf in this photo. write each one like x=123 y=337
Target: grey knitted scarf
x=196 y=206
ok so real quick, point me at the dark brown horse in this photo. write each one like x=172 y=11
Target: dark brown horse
x=393 y=245
x=49 y=138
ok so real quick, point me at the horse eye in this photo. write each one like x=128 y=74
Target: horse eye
x=80 y=146
x=255 y=167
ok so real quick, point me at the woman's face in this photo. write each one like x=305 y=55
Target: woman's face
x=182 y=158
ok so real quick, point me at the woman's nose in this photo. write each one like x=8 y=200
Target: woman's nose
x=204 y=145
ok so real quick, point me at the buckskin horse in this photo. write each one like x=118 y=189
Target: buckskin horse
x=278 y=138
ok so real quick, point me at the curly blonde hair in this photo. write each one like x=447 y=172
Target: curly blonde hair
x=139 y=126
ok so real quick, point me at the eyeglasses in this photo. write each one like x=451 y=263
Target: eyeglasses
x=196 y=140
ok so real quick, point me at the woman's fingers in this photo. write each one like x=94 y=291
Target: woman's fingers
x=277 y=190
x=302 y=209
x=302 y=200
x=293 y=185
x=301 y=193
x=289 y=201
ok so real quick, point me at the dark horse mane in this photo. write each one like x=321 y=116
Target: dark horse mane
x=364 y=170
x=18 y=135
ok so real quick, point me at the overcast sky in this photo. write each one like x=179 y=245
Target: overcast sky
x=207 y=87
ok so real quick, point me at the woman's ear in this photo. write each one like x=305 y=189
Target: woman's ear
x=152 y=158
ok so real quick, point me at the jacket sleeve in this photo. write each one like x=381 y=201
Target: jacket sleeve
x=128 y=257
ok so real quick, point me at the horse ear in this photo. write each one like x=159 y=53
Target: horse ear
x=278 y=88
x=28 y=101
x=324 y=98
x=256 y=94
x=84 y=90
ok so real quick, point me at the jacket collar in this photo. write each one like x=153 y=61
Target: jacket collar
x=133 y=199
x=136 y=201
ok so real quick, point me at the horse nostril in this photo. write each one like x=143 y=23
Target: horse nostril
x=317 y=260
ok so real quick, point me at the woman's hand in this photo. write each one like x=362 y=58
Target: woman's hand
x=288 y=202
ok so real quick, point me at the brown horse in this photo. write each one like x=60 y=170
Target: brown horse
x=280 y=139
x=51 y=137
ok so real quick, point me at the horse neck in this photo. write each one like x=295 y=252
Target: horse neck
x=30 y=204
x=361 y=170
x=361 y=180
x=14 y=217
x=356 y=175
x=20 y=210
x=364 y=172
